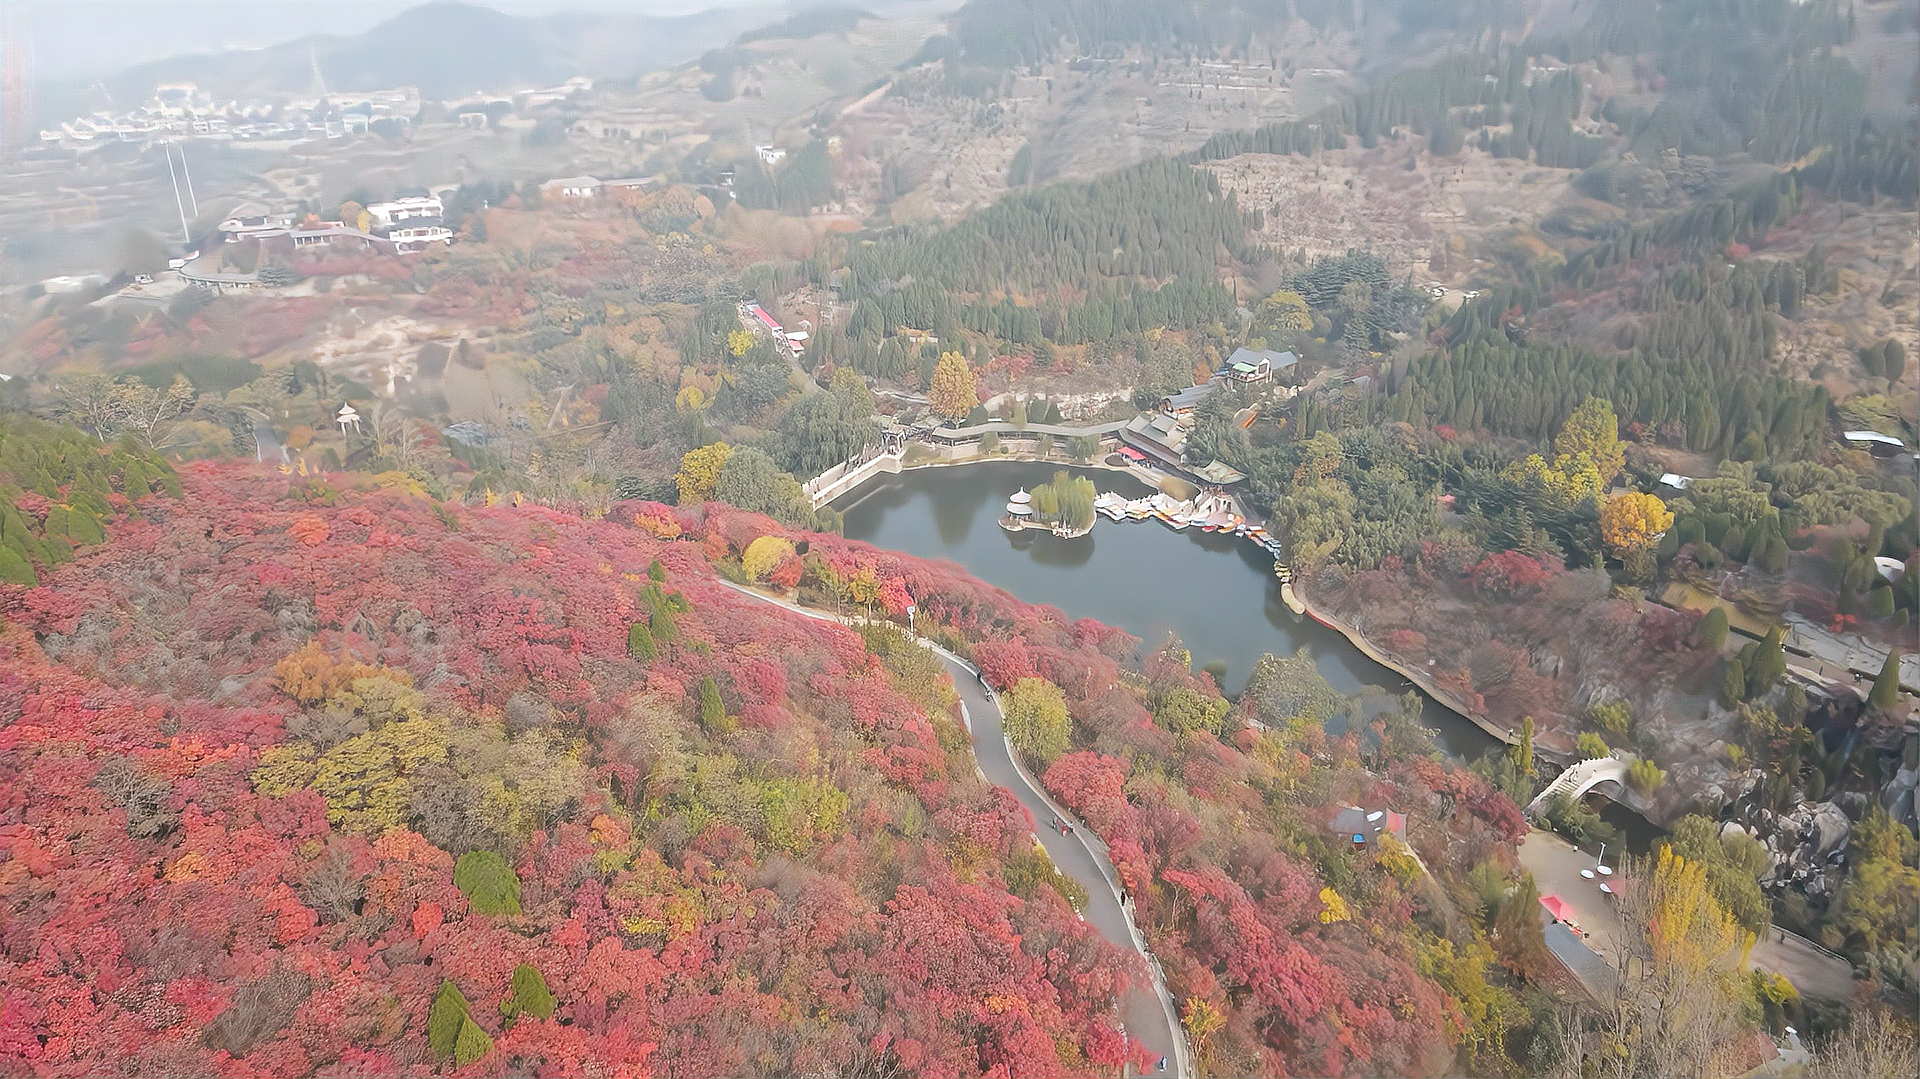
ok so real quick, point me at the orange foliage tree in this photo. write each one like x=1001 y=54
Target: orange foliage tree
x=309 y=675
x=1633 y=522
x=952 y=393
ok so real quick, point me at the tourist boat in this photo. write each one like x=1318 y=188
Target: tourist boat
x=1112 y=505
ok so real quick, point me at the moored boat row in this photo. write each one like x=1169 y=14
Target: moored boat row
x=1208 y=513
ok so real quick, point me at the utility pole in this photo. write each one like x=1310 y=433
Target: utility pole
x=185 y=236
x=191 y=200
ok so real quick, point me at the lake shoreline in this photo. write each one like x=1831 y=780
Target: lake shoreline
x=1220 y=600
x=1422 y=681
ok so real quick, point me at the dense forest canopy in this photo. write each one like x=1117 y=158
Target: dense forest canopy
x=1005 y=33
x=1153 y=223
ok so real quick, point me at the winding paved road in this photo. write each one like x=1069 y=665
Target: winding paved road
x=1147 y=1010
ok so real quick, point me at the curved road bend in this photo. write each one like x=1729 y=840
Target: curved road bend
x=1148 y=1017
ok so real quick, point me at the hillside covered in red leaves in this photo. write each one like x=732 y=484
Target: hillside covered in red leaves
x=218 y=860
x=304 y=776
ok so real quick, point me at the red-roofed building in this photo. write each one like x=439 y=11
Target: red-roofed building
x=1557 y=908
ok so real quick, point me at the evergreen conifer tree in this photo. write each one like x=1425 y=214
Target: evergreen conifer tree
x=713 y=714
x=471 y=1044
x=444 y=1019
x=1886 y=686
x=1712 y=631
x=640 y=643
x=488 y=882
x=530 y=994
x=1733 y=684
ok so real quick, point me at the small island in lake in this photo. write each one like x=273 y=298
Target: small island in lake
x=1063 y=507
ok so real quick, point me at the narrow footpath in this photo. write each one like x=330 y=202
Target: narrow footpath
x=1147 y=1010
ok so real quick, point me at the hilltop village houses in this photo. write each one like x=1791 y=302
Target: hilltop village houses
x=410 y=222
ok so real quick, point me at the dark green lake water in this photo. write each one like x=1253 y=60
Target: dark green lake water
x=1217 y=593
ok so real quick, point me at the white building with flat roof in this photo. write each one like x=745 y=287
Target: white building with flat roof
x=406 y=208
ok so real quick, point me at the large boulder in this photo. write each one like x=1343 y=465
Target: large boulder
x=1829 y=828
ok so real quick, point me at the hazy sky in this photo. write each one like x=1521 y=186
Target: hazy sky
x=69 y=38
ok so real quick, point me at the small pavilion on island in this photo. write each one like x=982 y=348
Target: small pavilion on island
x=1019 y=511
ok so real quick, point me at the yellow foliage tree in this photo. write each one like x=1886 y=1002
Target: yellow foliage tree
x=1285 y=310
x=1486 y=1010
x=700 y=472
x=1333 y=908
x=364 y=778
x=1037 y=719
x=1592 y=434
x=1202 y=1020
x=797 y=813
x=952 y=393
x=1690 y=929
x=1567 y=480
x=763 y=554
x=1633 y=522
x=1682 y=1012
x=738 y=342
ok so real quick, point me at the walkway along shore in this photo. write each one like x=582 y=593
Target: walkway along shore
x=1446 y=698
x=1147 y=1013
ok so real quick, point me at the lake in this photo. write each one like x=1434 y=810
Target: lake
x=1217 y=593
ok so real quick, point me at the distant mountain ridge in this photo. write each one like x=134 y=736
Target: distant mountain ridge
x=450 y=49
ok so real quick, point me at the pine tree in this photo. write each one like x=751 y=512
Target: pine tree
x=445 y=1018
x=656 y=572
x=713 y=714
x=471 y=1044
x=488 y=882
x=1522 y=750
x=1517 y=933
x=1768 y=663
x=1712 y=631
x=1880 y=601
x=16 y=569
x=1733 y=684
x=1886 y=686
x=660 y=619
x=530 y=994
x=1774 y=558
x=640 y=643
